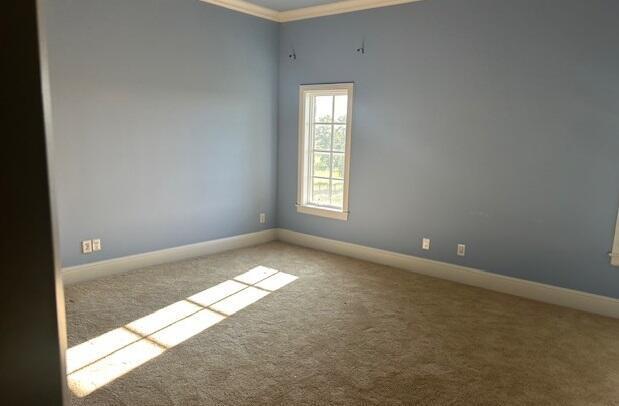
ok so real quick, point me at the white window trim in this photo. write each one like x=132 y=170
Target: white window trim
x=614 y=254
x=302 y=205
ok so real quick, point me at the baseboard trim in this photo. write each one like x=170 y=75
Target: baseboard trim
x=588 y=302
x=94 y=270
x=574 y=299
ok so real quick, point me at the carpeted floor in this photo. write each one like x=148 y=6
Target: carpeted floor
x=350 y=332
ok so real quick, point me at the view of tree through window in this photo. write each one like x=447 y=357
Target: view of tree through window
x=328 y=143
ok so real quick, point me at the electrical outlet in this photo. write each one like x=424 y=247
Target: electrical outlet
x=96 y=245
x=461 y=250
x=86 y=246
x=425 y=244
x=263 y=218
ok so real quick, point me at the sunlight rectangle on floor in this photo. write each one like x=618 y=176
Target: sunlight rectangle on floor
x=109 y=356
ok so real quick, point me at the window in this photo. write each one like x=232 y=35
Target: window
x=324 y=149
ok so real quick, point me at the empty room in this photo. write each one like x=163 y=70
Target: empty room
x=311 y=202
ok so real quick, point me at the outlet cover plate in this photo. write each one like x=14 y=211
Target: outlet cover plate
x=425 y=244
x=86 y=246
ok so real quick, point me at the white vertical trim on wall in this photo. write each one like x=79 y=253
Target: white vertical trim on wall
x=61 y=319
x=614 y=255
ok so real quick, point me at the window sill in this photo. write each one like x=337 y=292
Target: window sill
x=323 y=212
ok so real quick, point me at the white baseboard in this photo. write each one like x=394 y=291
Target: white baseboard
x=94 y=270
x=470 y=276
x=588 y=302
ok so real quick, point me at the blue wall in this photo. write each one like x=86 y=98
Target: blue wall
x=165 y=123
x=492 y=123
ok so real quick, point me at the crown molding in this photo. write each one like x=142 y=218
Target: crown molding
x=339 y=7
x=247 y=8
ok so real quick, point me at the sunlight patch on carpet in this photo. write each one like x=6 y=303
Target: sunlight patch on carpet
x=101 y=360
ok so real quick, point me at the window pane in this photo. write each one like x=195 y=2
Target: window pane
x=323 y=109
x=320 y=191
x=341 y=108
x=321 y=164
x=338 y=166
x=337 y=193
x=339 y=140
x=322 y=137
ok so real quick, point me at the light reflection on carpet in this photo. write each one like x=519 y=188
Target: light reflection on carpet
x=103 y=359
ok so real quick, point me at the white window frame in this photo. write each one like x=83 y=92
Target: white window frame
x=303 y=204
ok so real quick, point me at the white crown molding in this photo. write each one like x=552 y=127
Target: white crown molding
x=338 y=7
x=247 y=8
x=95 y=270
x=574 y=299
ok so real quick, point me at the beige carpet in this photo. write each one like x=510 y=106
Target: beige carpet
x=350 y=332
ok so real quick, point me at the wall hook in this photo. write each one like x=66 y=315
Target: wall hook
x=292 y=55
x=362 y=49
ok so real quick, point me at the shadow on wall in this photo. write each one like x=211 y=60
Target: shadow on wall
x=103 y=359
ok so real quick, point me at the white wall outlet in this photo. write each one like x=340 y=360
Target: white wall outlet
x=425 y=244
x=461 y=250
x=96 y=245
x=263 y=218
x=86 y=246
